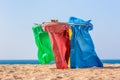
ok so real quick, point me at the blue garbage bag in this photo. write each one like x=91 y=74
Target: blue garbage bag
x=82 y=52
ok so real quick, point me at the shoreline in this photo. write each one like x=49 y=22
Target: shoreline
x=49 y=72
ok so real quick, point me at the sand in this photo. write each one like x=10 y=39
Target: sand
x=49 y=72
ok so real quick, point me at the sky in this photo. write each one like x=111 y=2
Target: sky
x=17 y=18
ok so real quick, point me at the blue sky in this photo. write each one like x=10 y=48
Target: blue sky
x=17 y=18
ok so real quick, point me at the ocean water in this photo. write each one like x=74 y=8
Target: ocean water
x=111 y=61
x=19 y=62
x=37 y=62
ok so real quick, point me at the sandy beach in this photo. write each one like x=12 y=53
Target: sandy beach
x=49 y=72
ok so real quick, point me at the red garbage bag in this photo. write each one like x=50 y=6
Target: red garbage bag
x=60 y=41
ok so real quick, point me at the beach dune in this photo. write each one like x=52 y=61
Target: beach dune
x=49 y=72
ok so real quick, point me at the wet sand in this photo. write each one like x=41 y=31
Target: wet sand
x=49 y=72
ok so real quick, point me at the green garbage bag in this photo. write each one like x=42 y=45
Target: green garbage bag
x=45 y=53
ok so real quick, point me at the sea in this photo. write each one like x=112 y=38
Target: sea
x=108 y=61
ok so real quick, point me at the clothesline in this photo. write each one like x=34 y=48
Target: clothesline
x=71 y=24
x=77 y=24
